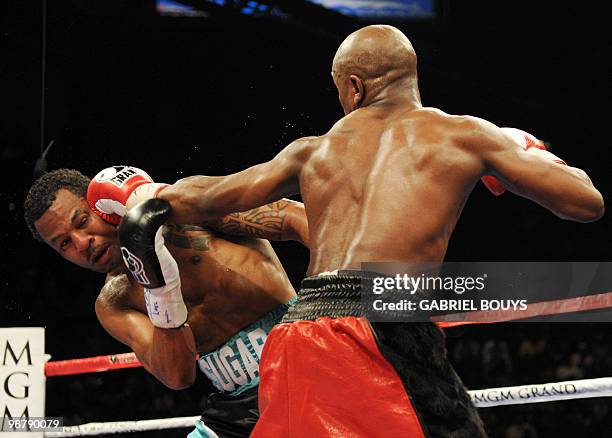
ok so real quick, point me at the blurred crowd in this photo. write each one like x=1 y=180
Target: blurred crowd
x=484 y=356
x=527 y=353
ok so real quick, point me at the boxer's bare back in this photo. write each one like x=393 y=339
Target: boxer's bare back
x=388 y=182
x=385 y=186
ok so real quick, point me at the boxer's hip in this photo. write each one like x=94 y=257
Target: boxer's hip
x=233 y=369
x=234 y=366
x=327 y=378
x=348 y=293
x=332 y=294
x=332 y=358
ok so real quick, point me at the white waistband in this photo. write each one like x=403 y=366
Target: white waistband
x=327 y=273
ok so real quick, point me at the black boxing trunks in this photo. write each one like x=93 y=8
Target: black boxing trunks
x=327 y=371
x=229 y=415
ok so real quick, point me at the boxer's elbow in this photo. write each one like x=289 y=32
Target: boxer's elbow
x=175 y=369
x=589 y=207
x=179 y=379
x=296 y=226
x=595 y=208
x=590 y=200
x=577 y=198
x=179 y=384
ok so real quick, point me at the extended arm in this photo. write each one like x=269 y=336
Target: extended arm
x=207 y=198
x=535 y=174
x=280 y=220
x=168 y=354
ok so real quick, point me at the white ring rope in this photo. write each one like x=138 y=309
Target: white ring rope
x=543 y=392
x=482 y=398
x=125 y=426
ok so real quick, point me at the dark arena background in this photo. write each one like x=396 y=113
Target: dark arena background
x=211 y=87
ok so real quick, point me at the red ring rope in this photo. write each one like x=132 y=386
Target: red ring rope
x=545 y=308
x=91 y=364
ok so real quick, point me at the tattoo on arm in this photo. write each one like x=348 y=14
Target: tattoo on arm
x=266 y=222
x=115 y=290
x=183 y=236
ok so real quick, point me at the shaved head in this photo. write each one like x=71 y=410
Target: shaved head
x=379 y=55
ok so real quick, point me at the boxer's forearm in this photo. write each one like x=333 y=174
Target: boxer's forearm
x=168 y=354
x=280 y=220
x=566 y=191
x=171 y=357
x=207 y=198
x=191 y=199
x=533 y=172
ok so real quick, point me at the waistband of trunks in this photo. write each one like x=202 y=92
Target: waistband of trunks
x=334 y=294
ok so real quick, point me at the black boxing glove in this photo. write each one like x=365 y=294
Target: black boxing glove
x=151 y=264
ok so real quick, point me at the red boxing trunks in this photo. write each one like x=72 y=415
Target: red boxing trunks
x=327 y=378
x=341 y=376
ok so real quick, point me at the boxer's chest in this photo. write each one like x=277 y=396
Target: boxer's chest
x=220 y=284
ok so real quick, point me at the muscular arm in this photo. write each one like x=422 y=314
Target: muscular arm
x=207 y=198
x=566 y=191
x=279 y=220
x=168 y=354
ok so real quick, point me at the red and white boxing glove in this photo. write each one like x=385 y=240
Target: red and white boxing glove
x=530 y=144
x=114 y=190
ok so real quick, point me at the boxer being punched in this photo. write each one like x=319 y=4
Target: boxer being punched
x=231 y=287
x=388 y=182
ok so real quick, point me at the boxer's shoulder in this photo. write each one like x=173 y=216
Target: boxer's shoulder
x=470 y=127
x=117 y=293
x=435 y=117
x=300 y=150
x=457 y=131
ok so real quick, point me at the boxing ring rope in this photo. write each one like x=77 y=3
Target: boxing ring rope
x=114 y=427
x=544 y=308
x=91 y=364
x=482 y=398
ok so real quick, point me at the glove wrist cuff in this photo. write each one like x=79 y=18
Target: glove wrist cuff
x=165 y=306
x=142 y=193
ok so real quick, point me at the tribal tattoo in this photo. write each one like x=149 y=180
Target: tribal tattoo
x=266 y=222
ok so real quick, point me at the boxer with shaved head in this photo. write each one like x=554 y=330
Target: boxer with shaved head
x=387 y=182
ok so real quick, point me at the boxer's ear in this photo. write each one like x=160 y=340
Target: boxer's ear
x=357 y=91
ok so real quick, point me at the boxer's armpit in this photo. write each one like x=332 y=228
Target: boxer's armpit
x=267 y=222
